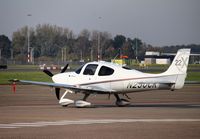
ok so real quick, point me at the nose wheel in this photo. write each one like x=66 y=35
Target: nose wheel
x=121 y=102
x=78 y=103
x=65 y=101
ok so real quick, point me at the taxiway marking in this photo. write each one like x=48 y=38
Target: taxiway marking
x=91 y=121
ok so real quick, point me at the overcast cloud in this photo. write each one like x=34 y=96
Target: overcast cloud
x=156 y=22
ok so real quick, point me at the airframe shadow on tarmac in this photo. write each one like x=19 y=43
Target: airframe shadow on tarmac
x=145 y=106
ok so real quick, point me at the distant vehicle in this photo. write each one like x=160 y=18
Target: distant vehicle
x=197 y=62
x=112 y=79
x=3 y=66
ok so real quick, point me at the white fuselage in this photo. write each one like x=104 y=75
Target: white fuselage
x=122 y=80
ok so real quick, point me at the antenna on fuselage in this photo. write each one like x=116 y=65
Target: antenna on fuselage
x=115 y=58
x=119 y=53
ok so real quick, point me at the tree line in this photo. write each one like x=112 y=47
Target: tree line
x=51 y=42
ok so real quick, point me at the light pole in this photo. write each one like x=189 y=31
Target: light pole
x=81 y=55
x=136 y=53
x=28 y=41
x=32 y=55
x=98 y=45
x=0 y=54
x=91 y=54
x=62 y=55
x=11 y=54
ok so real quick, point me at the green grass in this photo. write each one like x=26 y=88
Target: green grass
x=34 y=76
x=23 y=66
x=165 y=67
x=40 y=76
x=193 y=76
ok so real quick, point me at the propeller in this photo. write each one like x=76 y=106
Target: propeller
x=57 y=90
x=57 y=93
x=48 y=72
x=64 y=69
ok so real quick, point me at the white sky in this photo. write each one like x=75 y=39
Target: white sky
x=156 y=22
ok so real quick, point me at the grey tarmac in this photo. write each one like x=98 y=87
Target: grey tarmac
x=34 y=112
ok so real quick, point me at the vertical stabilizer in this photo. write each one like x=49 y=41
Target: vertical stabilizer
x=180 y=62
x=179 y=66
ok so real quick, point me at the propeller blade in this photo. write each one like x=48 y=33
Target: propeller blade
x=64 y=69
x=57 y=93
x=48 y=72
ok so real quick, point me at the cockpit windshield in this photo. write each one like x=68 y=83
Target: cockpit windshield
x=79 y=69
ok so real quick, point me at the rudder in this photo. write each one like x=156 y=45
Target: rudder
x=180 y=62
x=179 y=67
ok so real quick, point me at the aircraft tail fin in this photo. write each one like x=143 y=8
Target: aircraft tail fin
x=178 y=67
x=180 y=62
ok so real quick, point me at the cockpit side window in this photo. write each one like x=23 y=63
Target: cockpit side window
x=79 y=69
x=105 y=71
x=90 y=69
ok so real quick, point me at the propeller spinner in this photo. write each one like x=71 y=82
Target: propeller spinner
x=49 y=73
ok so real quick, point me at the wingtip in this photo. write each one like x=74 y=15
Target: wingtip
x=13 y=80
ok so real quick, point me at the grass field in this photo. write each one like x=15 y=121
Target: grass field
x=23 y=66
x=193 y=76
x=34 y=75
x=40 y=76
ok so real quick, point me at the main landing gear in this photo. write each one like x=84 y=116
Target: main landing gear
x=121 y=102
x=83 y=103
x=78 y=103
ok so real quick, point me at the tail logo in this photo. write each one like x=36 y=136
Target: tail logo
x=181 y=63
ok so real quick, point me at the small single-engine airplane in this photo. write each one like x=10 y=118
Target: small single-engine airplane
x=112 y=79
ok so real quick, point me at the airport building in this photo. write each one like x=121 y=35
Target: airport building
x=152 y=57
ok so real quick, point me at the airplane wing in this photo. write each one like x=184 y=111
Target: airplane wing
x=66 y=86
